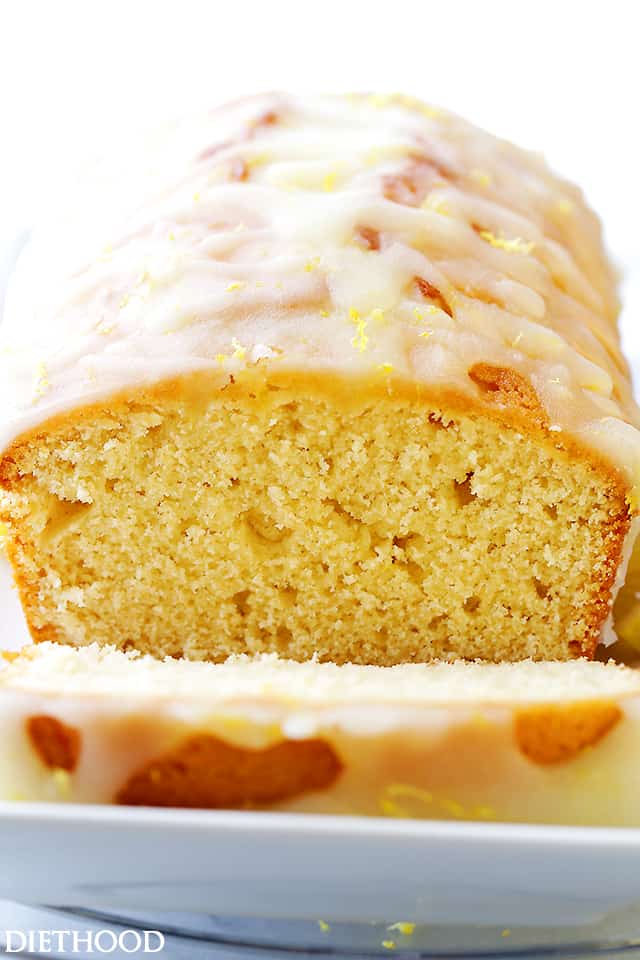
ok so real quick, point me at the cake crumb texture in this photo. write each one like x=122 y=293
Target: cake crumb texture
x=275 y=520
x=319 y=375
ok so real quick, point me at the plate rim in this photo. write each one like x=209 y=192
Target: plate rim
x=304 y=824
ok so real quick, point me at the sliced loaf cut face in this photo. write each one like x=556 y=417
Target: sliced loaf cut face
x=359 y=529
x=528 y=742
x=330 y=376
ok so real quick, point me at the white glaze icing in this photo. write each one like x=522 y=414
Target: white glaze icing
x=608 y=635
x=414 y=740
x=289 y=231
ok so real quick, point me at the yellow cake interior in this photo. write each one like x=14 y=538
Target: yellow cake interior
x=372 y=531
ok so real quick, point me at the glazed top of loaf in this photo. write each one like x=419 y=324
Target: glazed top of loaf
x=365 y=236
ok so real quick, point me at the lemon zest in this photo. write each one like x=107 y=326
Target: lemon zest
x=484 y=813
x=481 y=177
x=408 y=790
x=565 y=206
x=429 y=308
x=257 y=160
x=43 y=383
x=404 y=791
x=454 y=808
x=437 y=205
x=62 y=781
x=403 y=927
x=329 y=182
x=389 y=808
x=360 y=340
x=239 y=352
x=517 y=245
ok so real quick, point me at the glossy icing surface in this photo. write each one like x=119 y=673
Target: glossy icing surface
x=366 y=236
x=438 y=741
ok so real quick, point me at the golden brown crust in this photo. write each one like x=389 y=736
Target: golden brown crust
x=601 y=605
x=57 y=744
x=431 y=293
x=344 y=391
x=508 y=388
x=204 y=771
x=556 y=734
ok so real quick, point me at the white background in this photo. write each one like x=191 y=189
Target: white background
x=562 y=77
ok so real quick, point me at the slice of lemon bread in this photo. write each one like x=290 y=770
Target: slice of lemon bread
x=552 y=742
x=334 y=376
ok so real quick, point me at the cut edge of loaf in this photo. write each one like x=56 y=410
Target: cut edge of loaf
x=95 y=671
x=532 y=742
x=298 y=483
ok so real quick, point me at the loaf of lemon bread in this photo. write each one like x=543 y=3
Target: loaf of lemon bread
x=331 y=376
x=554 y=743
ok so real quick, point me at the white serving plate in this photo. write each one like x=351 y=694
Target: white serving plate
x=331 y=886
x=301 y=866
x=307 y=866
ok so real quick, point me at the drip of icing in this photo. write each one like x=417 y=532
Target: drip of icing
x=608 y=635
